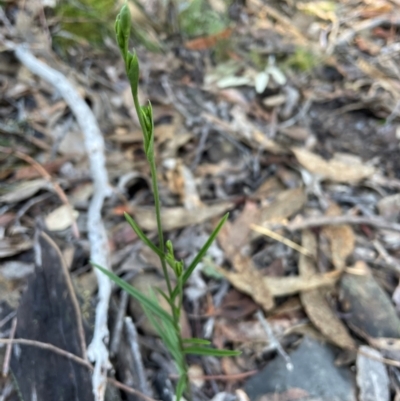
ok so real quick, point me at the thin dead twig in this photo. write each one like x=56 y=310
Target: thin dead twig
x=234 y=376
x=137 y=357
x=7 y=356
x=269 y=233
x=274 y=343
x=339 y=220
x=99 y=248
x=119 y=322
x=372 y=23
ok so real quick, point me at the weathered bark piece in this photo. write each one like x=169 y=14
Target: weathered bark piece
x=47 y=314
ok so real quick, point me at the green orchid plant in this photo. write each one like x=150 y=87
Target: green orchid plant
x=166 y=323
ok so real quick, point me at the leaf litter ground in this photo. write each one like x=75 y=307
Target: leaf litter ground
x=285 y=115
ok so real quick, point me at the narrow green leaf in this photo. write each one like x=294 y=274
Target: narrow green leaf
x=143 y=236
x=163 y=294
x=201 y=254
x=145 y=302
x=210 y=351
x=198 y=341
x=148 y=121
x=132 y=71
x=165 y=331
x=180 y=387
x=123 y=28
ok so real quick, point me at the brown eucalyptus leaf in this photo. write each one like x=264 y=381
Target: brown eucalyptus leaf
x=315 y=304
x=341 y=239
x=338 y=170
x=284 y=286
x=249 y=280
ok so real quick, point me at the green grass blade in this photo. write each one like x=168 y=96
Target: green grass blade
x=201 y=254
x=145 y=302
x=143 y=236
x=180 y=387
x=210 y=351
x=197 y=341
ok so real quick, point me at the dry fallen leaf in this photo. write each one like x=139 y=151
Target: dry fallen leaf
x=285 y=205
x=10 y=246
x=250 y=281
x=315 y=304
x=181 y=182
x=246 y=277
x=342 y=169
x=196 y=374
x=233 y=236
x=341 y=239
x=25 y=190
x=178 y=217
x=61 y=218
x=284 y=286
x=389 y=206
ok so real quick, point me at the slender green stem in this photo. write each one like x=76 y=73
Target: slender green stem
x=161 y=245
x=175 y=311
x=139 y=113
x=157 y=203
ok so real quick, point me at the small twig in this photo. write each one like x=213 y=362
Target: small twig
x=27 y=205
x=49 y=347
x=201 y=145
x=119 y=322
x=339 y=220
x=390 y=260
x=218 y=297
x=266 y=231
x=77 y=359
x=372 y=23
x=299 y=116
x=7 y=356
x=233 y=376
x=275 y=344
x=45 y=174
x=137 y=357
x=7 y=318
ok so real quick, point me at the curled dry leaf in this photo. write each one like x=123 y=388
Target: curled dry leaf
x=345 y=170
x=61 y=218
x=182 y=183
x=246 y=277
x=389 y=206
x=250 y=281
x=341 y=239
x=315 y=304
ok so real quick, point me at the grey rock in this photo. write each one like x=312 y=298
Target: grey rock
x=314 y=371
